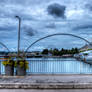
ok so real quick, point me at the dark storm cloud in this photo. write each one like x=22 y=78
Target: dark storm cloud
x=29 y=31
x=88 y=6
x=83 y=27
x=56 y=10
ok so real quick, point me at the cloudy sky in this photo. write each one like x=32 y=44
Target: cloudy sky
x=44 y=17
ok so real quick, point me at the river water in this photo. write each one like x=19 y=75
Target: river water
x=58 y=66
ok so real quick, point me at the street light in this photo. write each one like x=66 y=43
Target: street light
x=18 y=34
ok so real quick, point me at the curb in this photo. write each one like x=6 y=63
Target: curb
x=46 y=86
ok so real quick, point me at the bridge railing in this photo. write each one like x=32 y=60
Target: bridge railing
x=54 y=66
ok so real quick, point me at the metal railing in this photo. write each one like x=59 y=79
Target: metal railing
x=58 y=67
x=54 y=66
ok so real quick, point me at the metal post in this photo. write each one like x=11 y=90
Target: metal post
x=18 y=34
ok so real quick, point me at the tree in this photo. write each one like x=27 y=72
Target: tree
x=56 y=52
x=76 y=50
x=45 y=51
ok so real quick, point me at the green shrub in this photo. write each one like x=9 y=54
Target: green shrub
x=22 y=63
x=9 y=61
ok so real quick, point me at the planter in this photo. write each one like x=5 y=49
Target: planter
x=9 y=67
x=21 y=67
x=21 y=71
x=9 y=70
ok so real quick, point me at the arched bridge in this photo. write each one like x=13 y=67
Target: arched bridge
x=55 y=35
x=2 y=44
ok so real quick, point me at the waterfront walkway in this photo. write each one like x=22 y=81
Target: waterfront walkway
x=50 y=83
x=38 y=80
x=48 y=78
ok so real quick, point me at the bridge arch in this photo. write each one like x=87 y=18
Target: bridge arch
x=4 y=46
x=55 y=35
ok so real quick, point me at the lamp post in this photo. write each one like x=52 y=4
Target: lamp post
x=18 y=48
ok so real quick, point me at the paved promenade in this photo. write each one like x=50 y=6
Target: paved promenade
x=47 y=83
x=32 y=79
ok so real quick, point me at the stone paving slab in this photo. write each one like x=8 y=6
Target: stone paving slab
x=47 y=82
x=47 y=79
x=46 y=90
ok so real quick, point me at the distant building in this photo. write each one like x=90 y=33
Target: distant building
x=85 y=47
x=34 y=53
